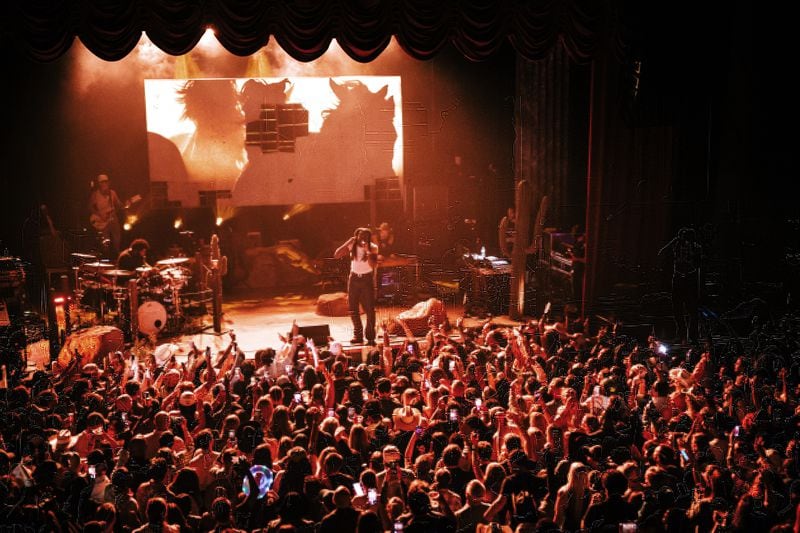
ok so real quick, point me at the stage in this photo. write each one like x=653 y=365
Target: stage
x=259 y=317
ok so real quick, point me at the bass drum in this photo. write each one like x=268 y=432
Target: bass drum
x=152 y=317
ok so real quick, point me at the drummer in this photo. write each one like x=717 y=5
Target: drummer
x=134 y=256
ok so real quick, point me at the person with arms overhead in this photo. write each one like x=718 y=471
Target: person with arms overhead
x=105 y=206
x=361 y=282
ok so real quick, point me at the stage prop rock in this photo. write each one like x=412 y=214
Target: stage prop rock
x=332 y=304
x=416 y=318
x=92 y=344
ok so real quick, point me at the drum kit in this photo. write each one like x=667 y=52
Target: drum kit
x=104 y=293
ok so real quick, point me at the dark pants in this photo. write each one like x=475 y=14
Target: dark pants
x=685 y=302
x=361 y=292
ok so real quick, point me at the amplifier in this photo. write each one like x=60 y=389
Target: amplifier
x=490 y=290
x=560 y=263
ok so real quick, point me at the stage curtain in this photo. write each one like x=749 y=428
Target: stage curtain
x=305 y=28
x=542 y=121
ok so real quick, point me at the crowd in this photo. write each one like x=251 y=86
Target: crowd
x=550 y=426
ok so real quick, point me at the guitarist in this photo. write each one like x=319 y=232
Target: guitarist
x=105 y=206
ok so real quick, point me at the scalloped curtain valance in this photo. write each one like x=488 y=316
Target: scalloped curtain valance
x=304 y=28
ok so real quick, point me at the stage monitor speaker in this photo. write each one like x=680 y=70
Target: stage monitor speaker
x=430 y=202
x=319 y=333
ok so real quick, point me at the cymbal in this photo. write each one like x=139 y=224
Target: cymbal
x=99 y=264
x=145 y=270
x=88 y=257
x=173 y=261
x=118 y=273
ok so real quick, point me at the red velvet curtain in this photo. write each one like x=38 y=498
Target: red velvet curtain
x=304 y=28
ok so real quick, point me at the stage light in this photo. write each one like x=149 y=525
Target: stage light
x=296 y=209
x=208 y=43
x=662 y=348
x=129 y=222
x=178 y=223
x=61 y=314
x=219 y=221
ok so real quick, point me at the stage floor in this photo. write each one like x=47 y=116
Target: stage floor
x=258 y=317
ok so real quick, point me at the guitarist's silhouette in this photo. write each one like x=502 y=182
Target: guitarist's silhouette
x=106 y=214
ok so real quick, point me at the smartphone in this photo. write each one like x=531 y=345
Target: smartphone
x=297 y=397
x=628 y=527
x=452 y=365
x=358 y=489
x=253 y=380
x=418 y=431
x=410 y=349
x=92 y=471
x=288 y=370
x=232 y=434
x=351 y=412
x=331 y=413
x=478 y=403
x=546 y=308
x=684 y=455
x=372 y=496
x=557 y=438
x=453 y=415
x=124 y=416
x=365 y=395
x=398 y=526
x=146 y=395
x=736 y=431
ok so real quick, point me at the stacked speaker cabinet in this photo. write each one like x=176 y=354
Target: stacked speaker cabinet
x=430 y=205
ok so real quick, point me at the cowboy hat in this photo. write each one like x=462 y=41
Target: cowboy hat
x=406 y=418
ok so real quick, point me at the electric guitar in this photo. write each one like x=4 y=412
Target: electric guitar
x=100 y=221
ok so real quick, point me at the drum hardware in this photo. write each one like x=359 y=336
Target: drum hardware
x=78 y=291
x=151 y=300
x=120 y=295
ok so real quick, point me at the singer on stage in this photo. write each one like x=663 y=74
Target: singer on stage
x=361 y=282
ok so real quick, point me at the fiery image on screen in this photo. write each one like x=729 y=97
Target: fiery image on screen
x=270 y=141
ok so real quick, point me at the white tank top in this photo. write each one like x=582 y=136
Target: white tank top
x=359 y=264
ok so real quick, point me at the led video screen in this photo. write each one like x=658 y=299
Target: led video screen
x=273 y=141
